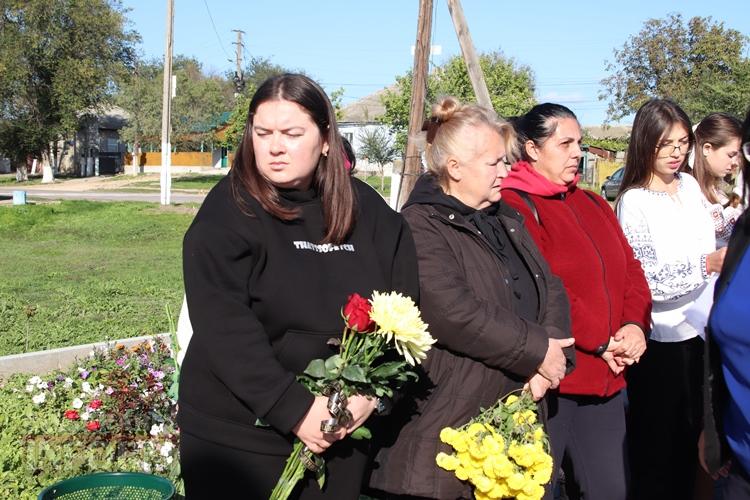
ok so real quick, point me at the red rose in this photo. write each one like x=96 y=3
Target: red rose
x=93 y=425
x=357 y=314
x=95 y=404
x=71 y=415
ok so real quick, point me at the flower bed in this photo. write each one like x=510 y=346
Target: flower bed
x=113 y=411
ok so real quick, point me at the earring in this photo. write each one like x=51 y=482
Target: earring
x=325 y=153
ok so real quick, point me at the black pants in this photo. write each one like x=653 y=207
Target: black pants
x=591 y=431
x=664 y=418
x=212 y=471
x=737 y=485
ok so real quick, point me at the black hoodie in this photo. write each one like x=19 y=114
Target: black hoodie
x=264 y=298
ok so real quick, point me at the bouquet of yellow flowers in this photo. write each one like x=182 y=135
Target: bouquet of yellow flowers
x=383 y=338
x=503 y=452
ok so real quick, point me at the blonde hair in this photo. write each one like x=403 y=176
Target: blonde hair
x=449 y=118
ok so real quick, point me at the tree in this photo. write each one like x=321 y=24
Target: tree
x=58 y=60
x=511 y=88
x=698 y=63
x=377 y=147
x=257 y=71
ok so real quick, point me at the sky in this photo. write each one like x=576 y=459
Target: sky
x=361 y=46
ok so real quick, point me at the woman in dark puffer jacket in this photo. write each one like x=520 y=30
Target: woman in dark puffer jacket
x=500 y=318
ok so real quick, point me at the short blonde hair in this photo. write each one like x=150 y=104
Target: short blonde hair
x=449 y=118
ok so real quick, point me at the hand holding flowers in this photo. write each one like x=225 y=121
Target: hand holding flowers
x=382 y=338
x=503 y=452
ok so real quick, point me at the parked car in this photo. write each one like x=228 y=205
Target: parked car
x=611 y=184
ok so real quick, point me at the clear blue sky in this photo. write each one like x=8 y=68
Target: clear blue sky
x=361 y=46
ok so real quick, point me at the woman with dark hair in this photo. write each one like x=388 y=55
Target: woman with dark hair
x=610 y=303
x=717 y=154
x=663 y=215
x=499 y=316
x=727 y=382
x=269 y=261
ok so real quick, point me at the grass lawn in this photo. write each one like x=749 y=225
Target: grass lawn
x=199 y=182
x=374 y=181
x=79 y=271
x=9 y=181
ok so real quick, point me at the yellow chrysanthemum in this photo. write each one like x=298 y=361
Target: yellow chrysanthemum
x=447 y=462
x=516 y=481
x=398 y=318
x=448 y=435
x=511 y=399
x=482 y=483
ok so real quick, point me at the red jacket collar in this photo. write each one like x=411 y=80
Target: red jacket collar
x=524 y=177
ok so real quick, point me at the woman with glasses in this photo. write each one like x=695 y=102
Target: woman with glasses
x=717 y=154
x=664 y=218
x=727 y=412
x=610 y=303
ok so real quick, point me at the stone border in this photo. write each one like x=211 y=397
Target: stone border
x=41 y=362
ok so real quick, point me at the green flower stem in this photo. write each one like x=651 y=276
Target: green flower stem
x=294 y=470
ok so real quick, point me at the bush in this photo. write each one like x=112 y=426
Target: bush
x=114 y=411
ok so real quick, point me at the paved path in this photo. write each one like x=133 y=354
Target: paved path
x=37 y=193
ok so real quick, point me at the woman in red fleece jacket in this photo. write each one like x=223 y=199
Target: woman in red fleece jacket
x=610 y=301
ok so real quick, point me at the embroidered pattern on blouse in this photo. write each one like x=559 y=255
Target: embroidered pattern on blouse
x=667 y=281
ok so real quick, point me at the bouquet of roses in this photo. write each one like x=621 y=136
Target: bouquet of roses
x=503 y=452
x=382 y=338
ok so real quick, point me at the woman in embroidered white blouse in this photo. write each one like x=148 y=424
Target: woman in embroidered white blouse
x=663 y=215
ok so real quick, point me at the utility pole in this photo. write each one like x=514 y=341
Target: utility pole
x=470 y=56
x=239 y=80
x=166 y=112
x=413 y=163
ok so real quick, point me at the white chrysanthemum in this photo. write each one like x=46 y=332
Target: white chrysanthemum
x=77 y=403
x=398 y=318
x=166 y=449
x=68 y=383
x=156 y=429
x=39 y=398
x=87 y=388
x=85 y=415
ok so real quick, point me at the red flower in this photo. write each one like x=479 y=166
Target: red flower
x=357 y=314
x=95 y=404
x=93 y=425
x=71 y=415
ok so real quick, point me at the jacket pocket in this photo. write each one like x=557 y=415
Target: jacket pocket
x=297 y=348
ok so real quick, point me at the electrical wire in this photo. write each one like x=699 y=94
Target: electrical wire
x=221 y=44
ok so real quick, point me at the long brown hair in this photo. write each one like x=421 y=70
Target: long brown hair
x=652 y=121
x=331 y=179
x=717 y=129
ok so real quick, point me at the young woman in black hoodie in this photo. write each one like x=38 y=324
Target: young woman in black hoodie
x=269 y=261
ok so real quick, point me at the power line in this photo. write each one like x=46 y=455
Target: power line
x=221 y=44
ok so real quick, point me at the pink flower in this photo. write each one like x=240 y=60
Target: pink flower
x=95 y=404
x=71 y=415
x=93 y=426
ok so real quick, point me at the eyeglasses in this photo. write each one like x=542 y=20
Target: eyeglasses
x=663 y=149
x=746 y=150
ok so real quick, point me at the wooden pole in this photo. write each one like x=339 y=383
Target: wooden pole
x=413 y=163
x=470 y=56
x=166 y=112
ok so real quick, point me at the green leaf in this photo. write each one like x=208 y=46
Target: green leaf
x=387 y=370
x=354 y=373
x=316 y=369
x=333 y=366
x=320 y=476
x=361 y=433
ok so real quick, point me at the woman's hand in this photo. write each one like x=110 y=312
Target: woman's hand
x=554 y=363
x=361 y=407
x=308 y=429
x=538 y=384
x=715 y=260
x=632 y=342
x=723 y=472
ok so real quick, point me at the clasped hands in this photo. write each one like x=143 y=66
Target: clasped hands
x=308 y=428
x=625 y=347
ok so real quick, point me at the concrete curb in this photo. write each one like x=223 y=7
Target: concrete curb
x=41 y=362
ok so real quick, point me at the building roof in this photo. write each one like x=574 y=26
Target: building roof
x=366 y=110
x=604 y=132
